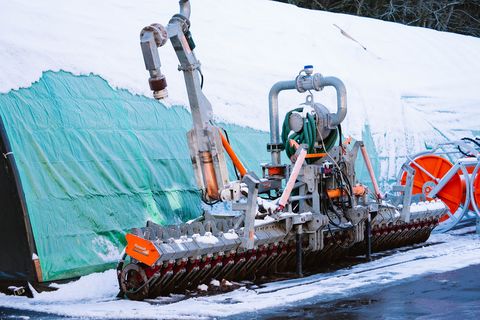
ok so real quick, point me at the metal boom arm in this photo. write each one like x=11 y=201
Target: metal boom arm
x=204 y=139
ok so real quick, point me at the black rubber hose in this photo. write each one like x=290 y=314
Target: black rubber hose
x=471 y=140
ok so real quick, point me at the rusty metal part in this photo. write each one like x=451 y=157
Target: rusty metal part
x=134 y=282
x=209 y=174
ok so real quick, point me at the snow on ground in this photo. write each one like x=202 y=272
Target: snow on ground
x=94 y=295
x=412 y=86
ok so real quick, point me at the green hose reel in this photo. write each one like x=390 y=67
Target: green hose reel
x=307 y=135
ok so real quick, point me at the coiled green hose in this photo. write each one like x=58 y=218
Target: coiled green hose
x=307 y=136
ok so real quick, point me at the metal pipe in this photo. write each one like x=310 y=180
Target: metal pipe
x=302 y=84
x=368 y=238
x=472 y=190
x=293 y=178
x=152 y=37
x=478 y=225
x=336 y=118
x=273 y=111
x=297 y=198
x=368 y=163
x=299 y=251
x=185 y=8
x=317 y=82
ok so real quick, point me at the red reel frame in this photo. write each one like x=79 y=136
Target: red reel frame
x=452 y=194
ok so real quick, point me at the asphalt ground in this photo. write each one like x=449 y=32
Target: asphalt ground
x=449 y=295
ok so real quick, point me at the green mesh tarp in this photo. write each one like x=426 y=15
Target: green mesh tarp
x=95 y=162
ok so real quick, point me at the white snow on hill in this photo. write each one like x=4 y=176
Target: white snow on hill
x=410 y=85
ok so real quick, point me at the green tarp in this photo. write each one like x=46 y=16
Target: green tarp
x=95 y=162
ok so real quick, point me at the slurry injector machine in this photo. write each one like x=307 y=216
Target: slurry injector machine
x=296 y=216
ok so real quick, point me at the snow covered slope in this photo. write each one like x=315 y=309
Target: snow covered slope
x=411 y=86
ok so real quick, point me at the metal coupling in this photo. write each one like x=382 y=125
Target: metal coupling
x=162 y=93
x=182 y=21
x=159 y=32
x=308 y=82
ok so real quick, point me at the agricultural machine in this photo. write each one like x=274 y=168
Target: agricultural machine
x=297 y=215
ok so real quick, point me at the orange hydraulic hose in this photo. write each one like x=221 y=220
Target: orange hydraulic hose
x=334 y=193
x=315 y=155
x=295 y=144
x=358 y=190
x=236 y=162
x=370 y=171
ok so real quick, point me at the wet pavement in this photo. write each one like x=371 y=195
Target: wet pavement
x=450 y=295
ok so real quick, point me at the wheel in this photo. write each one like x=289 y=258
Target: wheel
x=134 y=282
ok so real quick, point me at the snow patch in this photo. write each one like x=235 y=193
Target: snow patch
x=215 y=283
x=208 y=238
x=182 y=239
x=202 y=287
x=230 y=235
x=105 y=249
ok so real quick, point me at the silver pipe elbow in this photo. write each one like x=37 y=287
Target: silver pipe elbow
x=274 y=121
x=185 y=8
x=337 y=118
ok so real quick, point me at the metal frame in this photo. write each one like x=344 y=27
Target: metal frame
x=461 y=164
x=9 y=157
